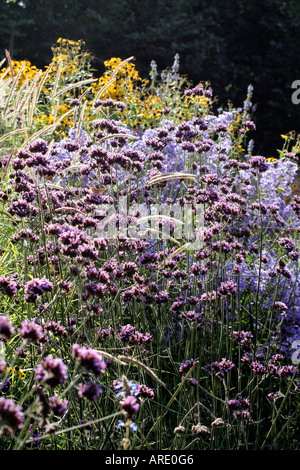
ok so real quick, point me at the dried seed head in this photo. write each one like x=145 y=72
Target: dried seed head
x=179 y=430
x=218 y=422
x=200 y=430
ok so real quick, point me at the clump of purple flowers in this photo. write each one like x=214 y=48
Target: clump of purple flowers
x=128 y=334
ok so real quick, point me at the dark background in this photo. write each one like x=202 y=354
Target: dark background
x=231 y=43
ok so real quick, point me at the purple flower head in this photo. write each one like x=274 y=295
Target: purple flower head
x=187 y=365
x=74 y=102
x=25 y=234
x=59 y=406
x=275 y=395
x=88 y=251
x=37 y=286
x=71 y=146
x=22 y=208
x=95 y=289
x=89 y=391
x=249 y=125
x=234 y=404
x=192 y=316
x=280 y=306
x=104 y=333
x=5 y=386
x=258 y=369
x=38 y=146
x=276 y=358
x=89 y=359
x=55 y=328
x=238 y=402
x=287 y=243
x=11 y=416
x=130 y=406
x=228 y=288
x=8 y=286
x=6 y=330
x=31 y=331
x=129 y=334
x=161 y=297
x=128 y=268
x=287 y=371
x=243 y=414
x=52 y=371
x=244 y=338
x=221 y=368
x=259 y=163
x=145 y=392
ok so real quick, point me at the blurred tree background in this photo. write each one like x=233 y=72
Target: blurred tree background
x=230 y=43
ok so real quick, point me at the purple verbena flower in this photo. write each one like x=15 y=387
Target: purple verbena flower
x=89 y=391
x=37 y=286
x=52 y=371
x=130 y=406
x=220 y=368
x=59 y=406
x=8 y=286
x=89 y=359
x=11 y=416
x=31 y=331
x=6 y=329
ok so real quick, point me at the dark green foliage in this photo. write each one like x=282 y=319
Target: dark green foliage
x=231 y=44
